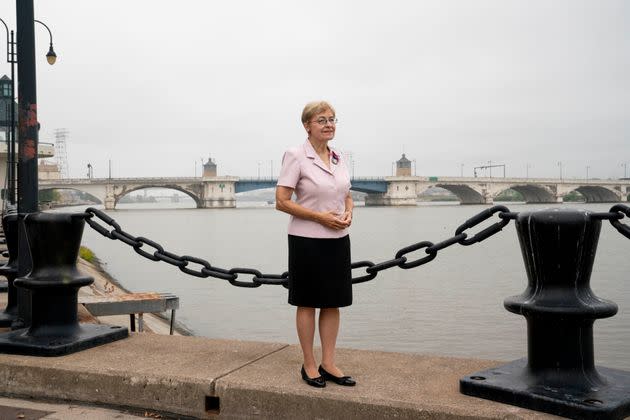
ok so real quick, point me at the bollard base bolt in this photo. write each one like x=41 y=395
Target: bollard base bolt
x=84 y=337
x=514 y=384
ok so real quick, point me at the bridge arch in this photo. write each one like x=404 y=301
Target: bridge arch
x=598 y=194
x=198 y=201
x=89 y=195
x=466 y=193
x=532 y=193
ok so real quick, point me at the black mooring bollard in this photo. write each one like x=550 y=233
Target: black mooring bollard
x=54 y=281
x=10 y=269
x=559 y=374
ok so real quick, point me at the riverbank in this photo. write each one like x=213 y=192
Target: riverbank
x=106 y=285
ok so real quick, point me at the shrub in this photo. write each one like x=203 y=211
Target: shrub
x=86 y=254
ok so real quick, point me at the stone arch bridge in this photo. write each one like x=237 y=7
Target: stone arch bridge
x=220 y=192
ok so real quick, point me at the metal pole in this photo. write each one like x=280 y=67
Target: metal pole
x=587 y=173
x=27 y=187
x=11 y=145
x=27 y=95
x=110 y=169
x=10 y=181
x=271 y=161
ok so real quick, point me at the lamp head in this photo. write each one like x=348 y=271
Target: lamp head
x=51 y=57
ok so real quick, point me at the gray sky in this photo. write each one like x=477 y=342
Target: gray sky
x=156 y=85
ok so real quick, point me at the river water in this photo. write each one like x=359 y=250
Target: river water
x=451 y=306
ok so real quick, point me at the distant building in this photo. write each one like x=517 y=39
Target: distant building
x=209 y=169
x=6 y=99
x=403 y=166
x=48 y=170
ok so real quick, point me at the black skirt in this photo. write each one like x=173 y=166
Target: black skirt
x=319 y=272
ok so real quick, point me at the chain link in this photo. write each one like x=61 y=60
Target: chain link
x=487 y=232
x=155 y=252
x=622 y=210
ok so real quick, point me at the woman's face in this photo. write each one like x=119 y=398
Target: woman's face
x=322 y=126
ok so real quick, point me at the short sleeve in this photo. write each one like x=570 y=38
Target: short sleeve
x=290 y=170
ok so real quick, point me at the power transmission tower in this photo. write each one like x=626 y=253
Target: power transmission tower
x=61 y=135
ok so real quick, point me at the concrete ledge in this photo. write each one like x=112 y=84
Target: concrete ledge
x=164 y=373
x=235 y=379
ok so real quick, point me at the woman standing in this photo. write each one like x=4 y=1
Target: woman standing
x=319 y=245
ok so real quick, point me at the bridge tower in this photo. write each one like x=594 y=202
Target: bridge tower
x=403 y=166
x=402 y=189
x=209 y=169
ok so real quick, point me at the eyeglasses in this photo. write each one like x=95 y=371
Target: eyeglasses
x=323 y=121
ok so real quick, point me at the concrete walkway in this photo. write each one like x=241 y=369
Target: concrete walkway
x=20 y=409
x=204 y=378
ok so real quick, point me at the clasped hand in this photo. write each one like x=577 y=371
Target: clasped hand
x=335 y=221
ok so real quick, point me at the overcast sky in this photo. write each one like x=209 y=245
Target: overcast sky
x=157 y=85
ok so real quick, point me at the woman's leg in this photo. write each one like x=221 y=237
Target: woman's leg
x=328 y=330
x=305 y=323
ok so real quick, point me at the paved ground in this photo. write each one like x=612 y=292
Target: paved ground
x=203 y=378
x=19 y=409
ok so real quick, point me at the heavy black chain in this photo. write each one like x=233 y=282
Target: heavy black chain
x=431 y=249
x=617 y=213
x=194 y=266
x=199 y=267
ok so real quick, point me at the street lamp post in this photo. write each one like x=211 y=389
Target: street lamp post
x=26 y=163
x=461 y=170
x=625 y=169
x=560 y=166
x=527 y=166
x=12 y=58
x=587 y=167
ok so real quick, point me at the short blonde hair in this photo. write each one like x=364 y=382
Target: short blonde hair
x=313 y=108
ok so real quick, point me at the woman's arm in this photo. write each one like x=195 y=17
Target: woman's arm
x=285 y=204
x=347 y=214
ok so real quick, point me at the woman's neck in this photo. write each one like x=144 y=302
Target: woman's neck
x=320 y=147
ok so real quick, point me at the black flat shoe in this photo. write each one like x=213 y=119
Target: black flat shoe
x=318 y=382
x=339 y=380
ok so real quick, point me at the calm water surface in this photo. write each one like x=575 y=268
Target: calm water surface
x=451 y=306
